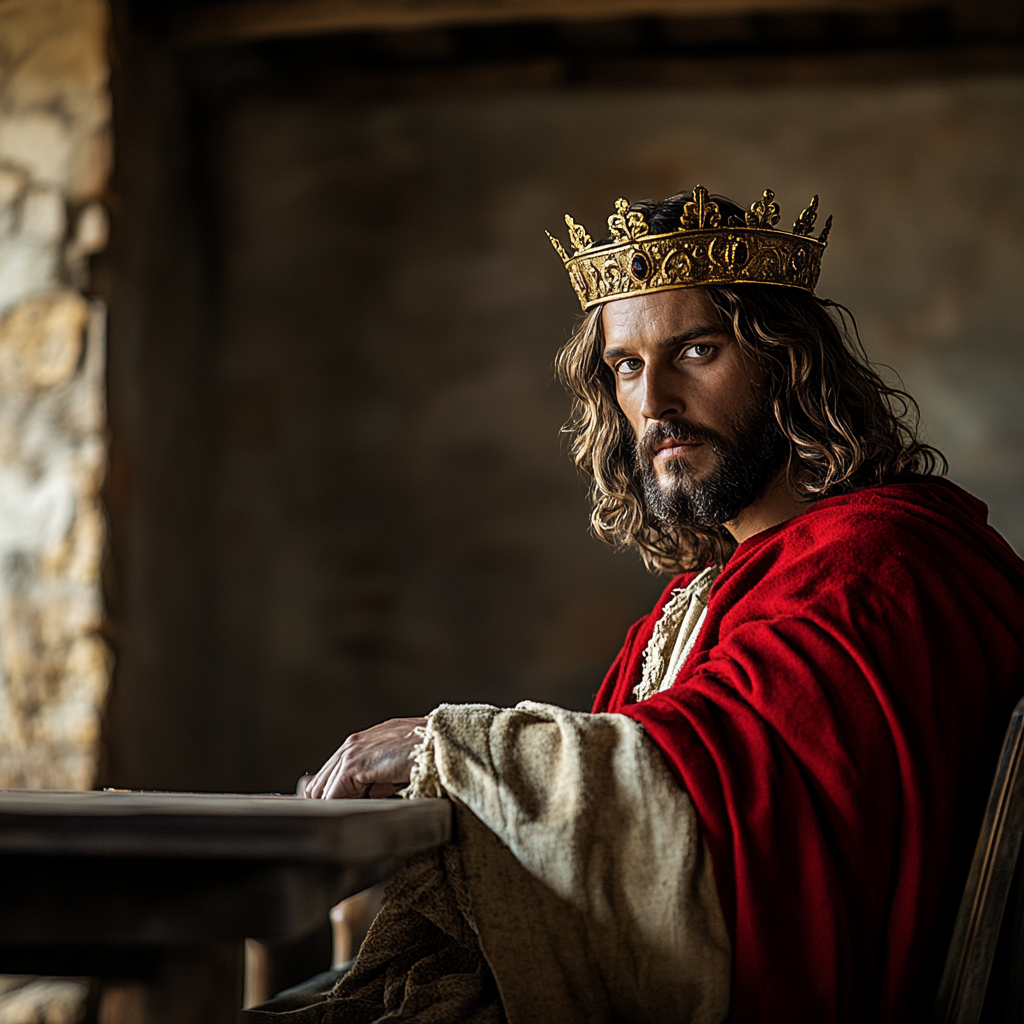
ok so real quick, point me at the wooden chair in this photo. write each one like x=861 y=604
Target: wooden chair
x=983 y=981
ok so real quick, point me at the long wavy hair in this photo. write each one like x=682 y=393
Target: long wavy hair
x=844 y=426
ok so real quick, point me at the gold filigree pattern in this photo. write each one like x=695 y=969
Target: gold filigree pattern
x=805 y=222
x=726 y=256
x=765 y=213
x=701 y=213
x=558 y=247
x=578 y=237
x=626 y=225
x=701 y=252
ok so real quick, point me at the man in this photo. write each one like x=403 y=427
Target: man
x=827 y=679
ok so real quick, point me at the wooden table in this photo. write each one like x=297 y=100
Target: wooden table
x=166 y=886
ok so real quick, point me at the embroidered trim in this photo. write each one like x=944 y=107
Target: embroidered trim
x=688 y=602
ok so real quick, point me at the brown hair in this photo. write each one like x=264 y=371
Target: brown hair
x=845 y=427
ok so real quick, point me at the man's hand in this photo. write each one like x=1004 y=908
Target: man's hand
x=371 y=763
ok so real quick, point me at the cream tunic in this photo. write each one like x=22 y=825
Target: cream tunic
x=675 y=634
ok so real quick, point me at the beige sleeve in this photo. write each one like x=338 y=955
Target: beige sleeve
x=591 y=886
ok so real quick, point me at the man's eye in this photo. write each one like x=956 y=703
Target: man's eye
x=697 y=351
x=628 y=365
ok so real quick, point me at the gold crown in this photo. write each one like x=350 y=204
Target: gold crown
x=701 y=251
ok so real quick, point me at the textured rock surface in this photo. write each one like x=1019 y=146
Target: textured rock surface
x=41 y=1001
x=54 y=156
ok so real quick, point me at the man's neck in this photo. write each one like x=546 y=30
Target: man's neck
x=778 y=504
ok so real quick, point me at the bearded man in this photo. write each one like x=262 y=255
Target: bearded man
x=770 y=813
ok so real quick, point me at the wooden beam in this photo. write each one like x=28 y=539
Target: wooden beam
x=243 y=20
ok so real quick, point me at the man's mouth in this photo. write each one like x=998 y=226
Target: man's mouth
x=673 y=449
x=663 y=444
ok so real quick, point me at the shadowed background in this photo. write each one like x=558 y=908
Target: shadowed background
x=337 y=490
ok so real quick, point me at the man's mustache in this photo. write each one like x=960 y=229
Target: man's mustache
x=660 y=434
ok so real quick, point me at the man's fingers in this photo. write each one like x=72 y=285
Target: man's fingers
x=316 y=786
x=374 y=762
x=355 y=777
x=340 y=785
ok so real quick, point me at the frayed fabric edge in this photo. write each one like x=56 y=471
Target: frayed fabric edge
x=424 y=778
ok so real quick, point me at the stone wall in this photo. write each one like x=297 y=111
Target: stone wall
x=54 y=158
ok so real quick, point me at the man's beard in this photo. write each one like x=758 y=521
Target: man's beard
x=747 y=463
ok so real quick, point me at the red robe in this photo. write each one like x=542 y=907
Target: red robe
x=837 y=727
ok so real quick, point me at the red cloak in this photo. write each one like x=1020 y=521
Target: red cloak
x=837 y=727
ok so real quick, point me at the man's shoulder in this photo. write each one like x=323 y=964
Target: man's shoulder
x=902 y=547
x=872 y=514
x=926 y=517
x=908 y=500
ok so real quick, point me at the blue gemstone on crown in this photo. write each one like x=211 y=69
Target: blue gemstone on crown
x=639 y=267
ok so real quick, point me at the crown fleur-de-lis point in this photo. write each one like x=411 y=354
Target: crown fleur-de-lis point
x=558 y=247
x=765 y=212
x=805 y=222
x=702 y=212
x=626 y=225
x=617 y=221
x=823 y=237
x=578 y=237
x=636 y=224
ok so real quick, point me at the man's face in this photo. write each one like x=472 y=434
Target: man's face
x=706 y=444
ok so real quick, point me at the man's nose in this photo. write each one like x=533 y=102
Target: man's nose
x=661 y=395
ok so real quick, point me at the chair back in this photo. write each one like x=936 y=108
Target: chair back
x=984 y=973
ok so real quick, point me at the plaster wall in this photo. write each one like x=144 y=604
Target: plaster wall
x=390 y=519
